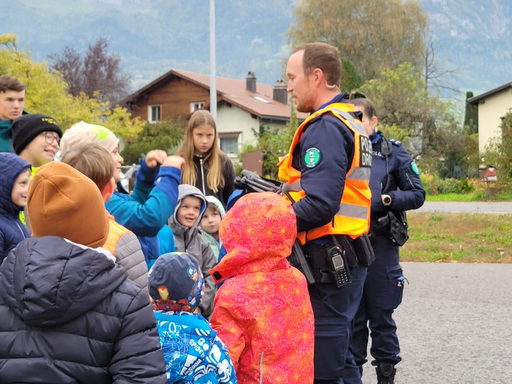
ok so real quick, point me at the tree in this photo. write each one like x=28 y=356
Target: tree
x=471 y=115
x=98 y=71
x=400 y=98
x=422 y=120
x=435 y=77
x=404 y=105
x=350 y=79
x=374 y=35
x=47 y=93
x=274 y=142
x=165 y=135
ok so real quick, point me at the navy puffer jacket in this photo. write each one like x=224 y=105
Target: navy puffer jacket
x=69 y=315
x=12 y=230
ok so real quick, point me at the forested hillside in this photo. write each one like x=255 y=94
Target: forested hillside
x=471 y=36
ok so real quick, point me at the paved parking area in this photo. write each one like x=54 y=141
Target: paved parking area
x=454 y=325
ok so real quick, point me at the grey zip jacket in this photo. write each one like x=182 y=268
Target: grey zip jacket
x=191 y=241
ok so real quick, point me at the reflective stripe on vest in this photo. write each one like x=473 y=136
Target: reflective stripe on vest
x=353 y=216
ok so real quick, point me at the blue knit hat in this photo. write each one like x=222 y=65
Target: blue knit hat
x=176 y=282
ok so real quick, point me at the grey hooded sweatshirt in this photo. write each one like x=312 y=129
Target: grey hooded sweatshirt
x=191 y=241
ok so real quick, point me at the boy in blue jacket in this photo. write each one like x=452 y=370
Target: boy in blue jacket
x=14 y=181
x=193 y=353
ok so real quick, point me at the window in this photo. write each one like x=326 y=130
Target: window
x=195 y=105
x=154 y=113
x=229 y=142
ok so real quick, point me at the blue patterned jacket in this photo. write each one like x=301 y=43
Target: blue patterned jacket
x=193 y=353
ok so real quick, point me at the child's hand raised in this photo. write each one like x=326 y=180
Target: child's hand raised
x=174 y=161
x=155 y=157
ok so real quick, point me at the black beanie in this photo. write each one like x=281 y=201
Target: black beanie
x=26 y=127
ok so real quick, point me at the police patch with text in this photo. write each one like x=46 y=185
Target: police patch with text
x=312 y=158
x=365 y=151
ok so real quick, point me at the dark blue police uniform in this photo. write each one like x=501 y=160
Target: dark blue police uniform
x=334 y=308
x=384 y=284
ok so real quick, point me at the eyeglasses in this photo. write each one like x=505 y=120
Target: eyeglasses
x=50 y=138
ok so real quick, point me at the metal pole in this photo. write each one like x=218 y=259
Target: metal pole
x=213 y=80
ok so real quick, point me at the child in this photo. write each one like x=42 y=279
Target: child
x=263 y=312
x=147 y=209
x=210 y=224
x=69 y=313
x=206 y=166
x=36 y=138
x=184 y=224
x=193 y=353
x=14 y=181
x=95 y=162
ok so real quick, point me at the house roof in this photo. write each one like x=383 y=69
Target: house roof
x=259 y=103
x=476 y=99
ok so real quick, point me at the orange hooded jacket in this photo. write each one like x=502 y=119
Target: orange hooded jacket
x=263 y=312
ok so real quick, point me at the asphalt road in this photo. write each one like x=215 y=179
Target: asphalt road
x=454 y=325
x=470 y=207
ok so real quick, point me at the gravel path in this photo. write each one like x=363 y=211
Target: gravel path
x=454 y=325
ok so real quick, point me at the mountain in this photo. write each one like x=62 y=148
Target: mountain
x=153 y=37
x=472 y=37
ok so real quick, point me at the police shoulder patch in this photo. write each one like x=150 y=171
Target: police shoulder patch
x=395 y=142
x=312 y=158
x=415 y=168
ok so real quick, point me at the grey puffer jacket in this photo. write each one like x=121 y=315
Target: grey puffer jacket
x=69 y=315
x=191 y=241
x=128 y=253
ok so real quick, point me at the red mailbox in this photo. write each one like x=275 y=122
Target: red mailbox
x=490 y=174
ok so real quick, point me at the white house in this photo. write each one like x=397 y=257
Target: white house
x=493 y=105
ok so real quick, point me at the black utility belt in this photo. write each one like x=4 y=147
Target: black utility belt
x=332 y=262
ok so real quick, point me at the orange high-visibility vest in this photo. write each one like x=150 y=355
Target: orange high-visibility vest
x=353 y=216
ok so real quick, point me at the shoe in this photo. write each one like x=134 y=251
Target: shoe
x=386 y=373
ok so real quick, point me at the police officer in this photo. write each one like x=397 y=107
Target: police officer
x=396 y=187
x=326 y=174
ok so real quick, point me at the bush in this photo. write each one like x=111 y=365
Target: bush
x=166 y=135
x=434 y=185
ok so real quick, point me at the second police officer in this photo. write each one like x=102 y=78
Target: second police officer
x=396 y=187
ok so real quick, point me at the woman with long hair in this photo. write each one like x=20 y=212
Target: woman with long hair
x=206 y=166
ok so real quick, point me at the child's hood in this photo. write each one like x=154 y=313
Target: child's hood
x=12 y=167
x=258 y=233
x=217 y=203
x=186 y=190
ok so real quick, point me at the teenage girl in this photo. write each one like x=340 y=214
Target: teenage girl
x=206 y=166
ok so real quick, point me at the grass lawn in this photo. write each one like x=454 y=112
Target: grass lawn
x=473 y=196
x=458 y=237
